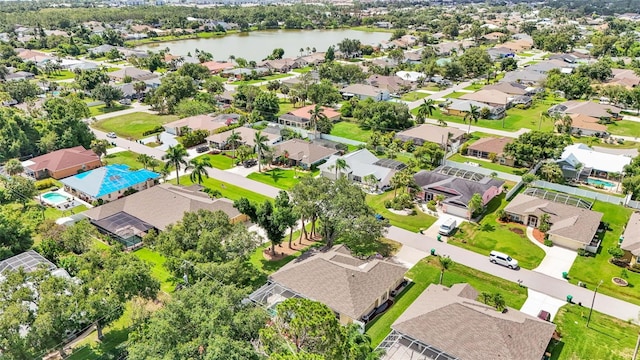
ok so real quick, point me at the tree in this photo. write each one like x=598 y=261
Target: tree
x=260 y=141
x=99 y=147
x=286 y=212
x=171 y=91
x=425 y=109
x=534 y=146
x=198 y=169
x=551 y=171
x=267 y=104
x=472 y=114
x=382 y=115
x=340 y=166
x=234 y=140
x=88 y=79
x=330 y=55
x=139 y=87
x=14 y=236
x=78 y=238
x=107 y=94
x=266 y=217
x=195 y=71
x=19 y=189
x=175 y=157
x=13 y=167
x=544 y=225
x=189 y=107
x=498 y=302
x=445 y=263
x=213 y=85
x=21 y=91
x=475 y=205
x=323 y=93
x=508 y=64
x=475 y=61
x=349 y=47
x=317 y=115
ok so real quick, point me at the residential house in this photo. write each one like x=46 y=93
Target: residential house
x=34 y=56
x=61 y=163
x=293 y=81
x=130 y=72
x=129 y=218
x=459 y=107
x=450 y=323
x=362 y=91
x=524 y=76
x=517 y=46
x=412 y=57
x=360 y=164
x=491 y=148
x=571 y=58
x=216 y=67
x=19 y=76
x=631 y=239
x=579 y=161
x=109 y=182
x=457 y=191
x=350 y=286
x=411 y=76
x=493 y=36
x=27 y=261
x=219 y=141
x=511 y=88
x=584 y=125
x=301 y=117
x=129 y=92
x=298 y=152
x=432 y=133
x=447 y=48
x=191 y=123
x=572 y=226
x=491 y=97
x=226 y=98
x=500 y=52
x=241 y=73
x=393 y=84
x=548 y=65
x=624 y=77
x=589 y=108
x=313 y=59
x=281 y=65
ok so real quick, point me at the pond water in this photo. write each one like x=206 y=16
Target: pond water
x=257 y=45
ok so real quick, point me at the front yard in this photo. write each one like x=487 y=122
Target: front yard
x=486 y=164
x=591 y=270
x=281 y=178
x=128 y=158
x=489 y=234
x=350 y=130
x=227 y=190
x=262 y=79
x=219 y=161
x=409 y=222
x=134 y=124
x=102 y=109
x=624 y=128
x=413 y=96
x=606 y=338
x=427 y=272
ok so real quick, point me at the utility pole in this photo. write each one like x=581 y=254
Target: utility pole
x=595 y=292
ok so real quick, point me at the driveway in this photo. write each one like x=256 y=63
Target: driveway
x=537 y=301
x=408 y=256
x=557 y=259
x=243 y=171
x=166 y=139
x=432 y=231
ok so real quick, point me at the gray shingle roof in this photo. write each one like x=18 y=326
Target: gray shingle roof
x=631 y=235
x=457 y=190
x=451 y=320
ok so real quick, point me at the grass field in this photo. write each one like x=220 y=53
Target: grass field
x=606 y=338
x=285 y=106
x=476 y=86
x=624 y=128
x=115 y=334
x=413 y=96
x=593 y=141
x=486 y=164
x=126 y=157
x=102 y=109
x=454 y=95
x=156 y=261
x=410 y=222
x=371 y=29
x=262 y=79
x=281 y=178
x=134 y=124
x=351 y=131
x=60 y=75
x=591 y=270
x=303 y=70
x=227 y=190
x=219 y=161
x=489 y=234
x=427 y=272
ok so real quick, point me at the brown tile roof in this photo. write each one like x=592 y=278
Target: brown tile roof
x=163 y=205
x=590 y=108
x=431 y=133
x=247 y=135
x=198 y=122
x=303 y=112
x=581 y=121
x=567 y=221
x=346 y=284
x=215 y=66
x=631 y=235
x=312 y=153
x=62 y=159
x=451 y=320
x=491 y=145
x=489 y=96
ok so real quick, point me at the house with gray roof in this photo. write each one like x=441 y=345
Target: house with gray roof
x=360 y=164
x=353 y=288
x=460 y=107
x=449 y=323
x=524 y=76
x=631 y=238
x=298 y=152
x=572 y=227
x=134 y=73
x=458 y=187
x=362 y=91
x=432 y=133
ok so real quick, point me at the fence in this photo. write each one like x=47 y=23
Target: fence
x=612 y=199
x=514 y=190
x=341 y=140
x=483 y=171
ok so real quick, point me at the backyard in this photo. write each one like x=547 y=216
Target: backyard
x=486 y=164
x=285 y=106
x=412 y=223
x=350 y=130
x=227 y=190
x=624 y=128
x=156 y=262
x=134 y=124
x=490 y=234
x=427 y=272
x=128 y=158
x=591 y=270
x=281 y=178
x=606 y=338
x=413 y=96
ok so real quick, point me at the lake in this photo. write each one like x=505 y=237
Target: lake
x=257 y=45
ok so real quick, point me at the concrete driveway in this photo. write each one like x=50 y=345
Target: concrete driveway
x=432 y=231
x=557 y=259
x=537 y=301
x=409 y=256
x=243 y=171
x=166 y=139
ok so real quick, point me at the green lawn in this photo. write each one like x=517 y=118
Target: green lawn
x=593 y=141
x=262 y=79
x=371 y=29
x=410 y=222
x=280 y=178
x=227 y=190
x=427 y=272
x=60 y=75
x=134 y=124
x=125 y=157
x=115 y=334
x=351 y=131
x=606 y=338
x=591 y=270
x=525 y=54
x=455 y=95
x=285 y=106
x=156 y=261
x=476 y=86
x=486 y=164
x=219 y=161
x=303 y=70
x=413 y=96
x=624 y=128
x=489 y=234
x=102 y=109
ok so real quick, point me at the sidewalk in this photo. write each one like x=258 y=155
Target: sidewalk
x=557 y=259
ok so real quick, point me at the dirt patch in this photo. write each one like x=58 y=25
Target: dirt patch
x=283 y=250
x=517 y=231
x=538 y=235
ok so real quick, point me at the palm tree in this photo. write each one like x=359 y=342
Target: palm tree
x=139 y=87
x=175 y=156
x=199 y=168
x=442 y=122
x=13 y=167
x=260 y=144
x=475 y=204
x=371 y=180
x=498 y=302
x=425 y=109
x=317 y=113
x=445 y=263
x=233 y=140
x=358 y=345
x=473 y=114
x=340 y=166
x=144 y=159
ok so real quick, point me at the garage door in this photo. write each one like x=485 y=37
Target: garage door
x=454 y=210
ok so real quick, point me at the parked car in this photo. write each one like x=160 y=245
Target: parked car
x=250 y=163
x=125 y=102
x=202 y=149
x=112 y=135
x=386 y=188
x=503 y=259
x=447 y=227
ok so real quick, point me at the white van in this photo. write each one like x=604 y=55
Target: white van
x=503 y=259
x=447 y=227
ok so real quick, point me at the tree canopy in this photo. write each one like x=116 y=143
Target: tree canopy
x=534 y=146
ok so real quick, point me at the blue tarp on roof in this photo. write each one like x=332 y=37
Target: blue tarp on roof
x=108 y=179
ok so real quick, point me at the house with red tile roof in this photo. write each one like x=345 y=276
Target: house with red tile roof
x=61 y=163
x=216 y=67
x=301 y=118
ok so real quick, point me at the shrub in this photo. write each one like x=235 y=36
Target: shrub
x=616 y=252
x=635 y=267
x=45 y=184
x=387 y=204
x=226 y=128
x=157 y=129
x=502 y=215
x=582 y=252
x=401 y=202
x=548 y=243
x=464 y=149
x=431 y=206
x=194 y=138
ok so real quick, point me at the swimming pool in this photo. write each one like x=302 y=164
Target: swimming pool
x=53 y=198
x=592 y=181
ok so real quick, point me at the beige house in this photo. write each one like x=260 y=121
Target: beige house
x=198 y=122
x=302 y=153
x=485 y=147
x=350 y=286
x=449 y=323
x=572 y=227
x=631 y=238
x=432 y=133
x=247 y=135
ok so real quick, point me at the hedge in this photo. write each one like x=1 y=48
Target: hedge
x=157 y=129
x=226 y=128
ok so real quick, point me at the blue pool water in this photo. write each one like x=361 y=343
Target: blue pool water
x=592 y=181
x=54 y=198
